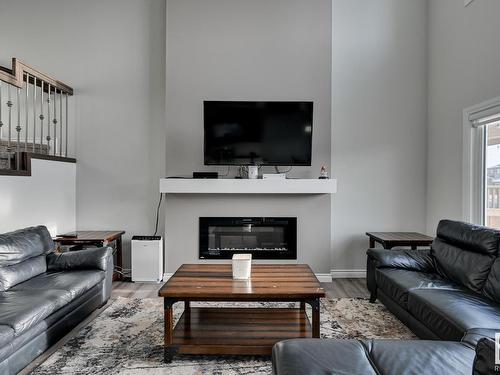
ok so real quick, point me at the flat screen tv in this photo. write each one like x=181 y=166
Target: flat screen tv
x=258 y=133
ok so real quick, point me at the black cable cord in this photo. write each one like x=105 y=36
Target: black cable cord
x=278 y=171
x=227 y=172
x=158 y=213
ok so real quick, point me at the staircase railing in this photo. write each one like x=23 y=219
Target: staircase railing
x=34 y=116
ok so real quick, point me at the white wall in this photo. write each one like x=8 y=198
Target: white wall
x=112 y=52
x=47 y=198
x=379 y=122
x=464 y=70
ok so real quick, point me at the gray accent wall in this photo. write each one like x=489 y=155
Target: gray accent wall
x=246 y=50
x=313 y=224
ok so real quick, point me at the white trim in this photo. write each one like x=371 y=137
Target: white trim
x=472 y=162
x=348 y=274
x=238 y=186
x=322 y=277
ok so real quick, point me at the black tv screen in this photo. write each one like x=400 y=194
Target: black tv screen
x=258 y=133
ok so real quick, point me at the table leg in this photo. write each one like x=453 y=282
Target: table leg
x=315 y=317
x=119 y=259
x=168 y=349
x=372 y=243
x=413 y=247
x=302 y=305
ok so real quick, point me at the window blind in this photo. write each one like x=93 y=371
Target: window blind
x=485 y=116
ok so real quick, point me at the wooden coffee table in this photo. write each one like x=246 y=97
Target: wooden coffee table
x=239 y=331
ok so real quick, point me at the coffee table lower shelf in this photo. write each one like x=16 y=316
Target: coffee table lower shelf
x=236 y=331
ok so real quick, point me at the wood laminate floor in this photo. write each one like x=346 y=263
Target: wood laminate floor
x=339 y=288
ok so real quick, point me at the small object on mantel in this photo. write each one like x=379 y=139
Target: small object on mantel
x=242 y=266
x=323 y=174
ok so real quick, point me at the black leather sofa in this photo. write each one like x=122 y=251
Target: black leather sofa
x=448 y=292
x=387 y=357
x=445 y=291
x=43 y=295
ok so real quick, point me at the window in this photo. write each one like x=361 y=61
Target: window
x=482 y=164
x=492 y=175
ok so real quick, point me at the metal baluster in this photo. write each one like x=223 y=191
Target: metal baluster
x=26 y=127
x=9 y=135
x=55 y=121
x=48 y=120
x=18 y=128
x=34 y=113
x=61 y=124
x=41 y=116
x=67 y=127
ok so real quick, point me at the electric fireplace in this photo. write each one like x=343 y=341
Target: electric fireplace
x=263 y=237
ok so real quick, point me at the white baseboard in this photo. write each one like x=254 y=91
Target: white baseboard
x=322 y=277
x=348 y=274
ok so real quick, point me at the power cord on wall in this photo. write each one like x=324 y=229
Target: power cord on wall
x=227 y=172
x=278 y=171
x=158 y=214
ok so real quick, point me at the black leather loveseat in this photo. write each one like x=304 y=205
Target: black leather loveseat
x=445 y=291
x=448 y=292
x=43 y=295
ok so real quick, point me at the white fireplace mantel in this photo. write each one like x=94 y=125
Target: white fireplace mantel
x=243 y=186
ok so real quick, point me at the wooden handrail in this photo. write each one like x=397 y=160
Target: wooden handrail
x=16 y=77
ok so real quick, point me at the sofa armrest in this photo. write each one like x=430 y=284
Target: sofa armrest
x=416 y=260
x=484 y=362
x=82 y=259
x=474 y=335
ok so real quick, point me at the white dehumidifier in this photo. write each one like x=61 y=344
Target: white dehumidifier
x=147 y=258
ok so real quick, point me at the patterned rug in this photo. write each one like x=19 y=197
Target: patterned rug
x=127 y=338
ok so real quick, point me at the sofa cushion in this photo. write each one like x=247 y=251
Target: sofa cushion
x=22 y=309
x=17 y=273
x=468 y=268
x=450 y=313
x=474 y=238
x=23 y=244
x=475 y=334
x=484 y=362
x=397 y=283
x=74 y=282
x=396 y=357
x=87 y=259
x=388 y=357
x=6 y=335
x=319 y=357
x=492 y=286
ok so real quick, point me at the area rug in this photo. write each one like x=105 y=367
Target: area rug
x=127 y=339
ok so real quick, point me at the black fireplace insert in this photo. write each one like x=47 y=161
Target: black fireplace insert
x=263 y=237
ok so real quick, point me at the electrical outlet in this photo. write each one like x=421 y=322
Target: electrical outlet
x=467 y=2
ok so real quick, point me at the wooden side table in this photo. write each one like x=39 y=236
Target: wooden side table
x=86 y=238
x=388 y=240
